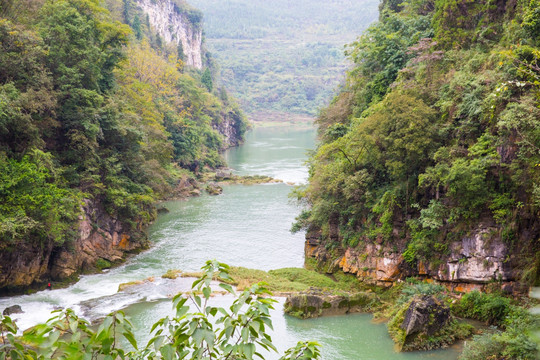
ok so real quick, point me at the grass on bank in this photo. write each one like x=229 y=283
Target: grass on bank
x=285 y=280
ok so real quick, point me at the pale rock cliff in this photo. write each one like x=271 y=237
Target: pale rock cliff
x=175 y=26
x=474 y=262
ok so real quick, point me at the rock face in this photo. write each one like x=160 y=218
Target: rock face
x=470 y=263
x=230 y=128
x=100 y=236
x=24 y=264
x=425 y=314
x=312 y=305
x=176 y=25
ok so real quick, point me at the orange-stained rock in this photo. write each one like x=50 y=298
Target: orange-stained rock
x=100 y=237
x=472 y=262
x=124 y=243
x=310 y=250
x=422 y=268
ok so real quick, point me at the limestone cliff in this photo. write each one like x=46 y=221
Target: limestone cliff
x=177 y=24
x=100 y=236
x=473 y=262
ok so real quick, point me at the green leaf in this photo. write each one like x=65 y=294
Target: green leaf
x=198 y=300
x=167 y=352
x=129 y=336
x=249 y=350
x=227 y=288
x=206 y=292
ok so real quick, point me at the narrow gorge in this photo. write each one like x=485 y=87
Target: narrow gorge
x=401 y=222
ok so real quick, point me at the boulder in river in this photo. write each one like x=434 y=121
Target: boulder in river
x=425 y=314
x=312 y=305
x=214 y=189
x=162 y=210
x=425 y=323
x=15 y=309
x=223 y=174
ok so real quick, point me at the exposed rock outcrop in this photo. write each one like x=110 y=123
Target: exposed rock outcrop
x=214 y=189
x=425 y=314
x=100 y=236
x=470 y=263
x=176 y=25
x=15 y=309
x=230 y=127
x=312 y=305
x=425 y=323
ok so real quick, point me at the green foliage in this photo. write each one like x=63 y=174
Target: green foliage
x=490 y=308
x=380 y=53
x=102 y=264
x=435 y=128
x=301 y=222
x=415 y=287
x=500 y=346
x=531 y=19
x=514 y=342
x=198 y=330
x=206 y=79
x=115 y=117
x=294 y=279
x=368 y=172
x=34 y=204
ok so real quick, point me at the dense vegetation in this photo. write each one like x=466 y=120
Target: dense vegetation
x=283 y=56
x=93 y=109
x=435 y=134
x=436 y=131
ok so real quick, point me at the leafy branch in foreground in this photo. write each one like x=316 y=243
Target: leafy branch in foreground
x=200 y=331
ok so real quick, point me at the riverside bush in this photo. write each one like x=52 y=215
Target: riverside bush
x=199 y=331
x=513 y=343
x=501 y=345
x=491 y=308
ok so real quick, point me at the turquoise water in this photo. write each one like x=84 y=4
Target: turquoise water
x=245 y=226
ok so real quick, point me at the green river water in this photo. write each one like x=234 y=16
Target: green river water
x=245 y=226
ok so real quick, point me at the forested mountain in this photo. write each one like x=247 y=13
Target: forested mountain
x=429 y=161
x=98 y=120
x=283 y=57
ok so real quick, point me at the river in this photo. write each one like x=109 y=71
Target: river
x=248 y=225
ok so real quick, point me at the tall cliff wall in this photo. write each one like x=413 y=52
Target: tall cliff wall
x=176 y=25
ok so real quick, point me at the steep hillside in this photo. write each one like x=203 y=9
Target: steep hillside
x=98 y=120
x=429 y=161
x=282 y=57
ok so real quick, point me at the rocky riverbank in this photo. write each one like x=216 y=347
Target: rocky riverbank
x=476 y=261
x=101 y=242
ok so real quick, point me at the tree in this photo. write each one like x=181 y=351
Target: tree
x=84 y=47
x=199 y=331
x=136 y=26
x=206 y=79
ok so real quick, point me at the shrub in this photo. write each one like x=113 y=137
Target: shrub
x=491 y=308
